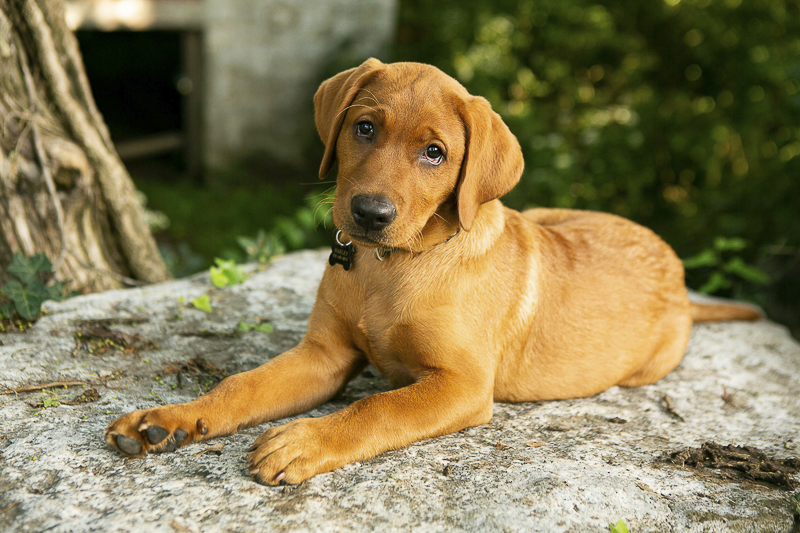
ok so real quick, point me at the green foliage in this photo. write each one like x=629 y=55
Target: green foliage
x=725 y=271
x=202 y=303
x=226 y=273
x=244 y=327
x=51 y=401
x=679 y=114
x=295 y=232
x=27 y=293
x=206 y=223
x=619 y=527
x=263 y=247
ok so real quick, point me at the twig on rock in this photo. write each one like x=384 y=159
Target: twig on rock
x=43 y=386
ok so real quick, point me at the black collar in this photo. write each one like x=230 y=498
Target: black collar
x=382 y=253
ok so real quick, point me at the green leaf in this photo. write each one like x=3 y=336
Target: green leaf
x=733 y=244
x=716 y=282
x=705 y=258
x=6 y=310
x=226 y=273
x=747 y=272
x=619 y=527
x=27 y=300
x=50 y=402
x=244 y=327
x=264 y=328
x=26 y=269
x=218 y=278
x=55 y=292
x=202 y=303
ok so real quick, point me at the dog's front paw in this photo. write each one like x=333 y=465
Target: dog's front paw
x=155 y=430
x=291 y=453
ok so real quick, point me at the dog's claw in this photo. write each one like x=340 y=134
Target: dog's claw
x=156 y=434
x=128 y=445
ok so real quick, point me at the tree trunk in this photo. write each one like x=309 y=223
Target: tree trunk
x=63 y=189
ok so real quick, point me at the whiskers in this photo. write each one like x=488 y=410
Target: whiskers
x=414 y=241
x=325 y=204
x=437 y=215
x=355 y=105
x=371 y=96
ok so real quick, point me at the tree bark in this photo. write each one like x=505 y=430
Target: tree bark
x=63 y=189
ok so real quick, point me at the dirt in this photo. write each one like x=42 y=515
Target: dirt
x=740 y=463
x=100 y=340
x=198 y=367
x=15 y=325
x=87 y=396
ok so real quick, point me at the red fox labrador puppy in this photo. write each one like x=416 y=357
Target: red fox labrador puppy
x=457 y=300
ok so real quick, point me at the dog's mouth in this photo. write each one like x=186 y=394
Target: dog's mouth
x=362 y=239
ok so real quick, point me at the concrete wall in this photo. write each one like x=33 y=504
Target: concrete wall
x=263 y=61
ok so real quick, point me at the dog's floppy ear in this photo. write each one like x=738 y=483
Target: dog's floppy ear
x=492 y=162
x=330 y=104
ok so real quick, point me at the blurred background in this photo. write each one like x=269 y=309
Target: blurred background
x=683 y=115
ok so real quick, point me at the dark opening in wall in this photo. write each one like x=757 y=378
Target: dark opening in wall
x=139 y=84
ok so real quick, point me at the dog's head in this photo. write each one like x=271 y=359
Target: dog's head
x=418 y=155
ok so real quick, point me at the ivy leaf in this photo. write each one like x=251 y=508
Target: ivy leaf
x=202 y=303
x=26 y=269
x=27 y=299
x=705 y=258
x=747 y=272
x=55 y=292
x=6 y=310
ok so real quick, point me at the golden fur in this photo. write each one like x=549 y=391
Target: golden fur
x=544 y=304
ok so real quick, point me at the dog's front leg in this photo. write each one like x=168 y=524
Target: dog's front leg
x=440 y=403
x=295 y=381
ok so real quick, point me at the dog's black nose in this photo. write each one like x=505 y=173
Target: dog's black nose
x=373 y=212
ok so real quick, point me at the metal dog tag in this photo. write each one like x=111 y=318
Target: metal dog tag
x=341 y=253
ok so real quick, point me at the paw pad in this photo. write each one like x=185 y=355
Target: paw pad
x=128 y=445
x=172 y=444
x=156 y=434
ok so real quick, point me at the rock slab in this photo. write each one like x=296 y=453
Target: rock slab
x=574 y=465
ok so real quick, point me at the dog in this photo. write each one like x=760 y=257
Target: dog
x=457 y=300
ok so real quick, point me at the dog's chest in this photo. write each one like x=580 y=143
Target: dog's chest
x=392 y=318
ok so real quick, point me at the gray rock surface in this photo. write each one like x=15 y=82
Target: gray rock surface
x=571 y=465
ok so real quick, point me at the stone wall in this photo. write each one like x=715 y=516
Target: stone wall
x=264 y=60
x=253 y=64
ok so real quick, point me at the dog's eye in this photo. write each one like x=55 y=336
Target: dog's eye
x=365 y=129
x=434 y=154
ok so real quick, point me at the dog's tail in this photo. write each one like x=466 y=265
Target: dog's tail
x=718 y=312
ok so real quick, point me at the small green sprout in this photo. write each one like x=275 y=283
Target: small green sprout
x=619 y=527
x=202 y=303
x=226 y=273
